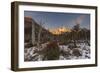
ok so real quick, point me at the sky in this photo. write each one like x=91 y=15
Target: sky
x=52 y=20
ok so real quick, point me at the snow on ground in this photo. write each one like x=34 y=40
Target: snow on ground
x=31 y=54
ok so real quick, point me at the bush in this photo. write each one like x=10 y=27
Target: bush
x=52 y=51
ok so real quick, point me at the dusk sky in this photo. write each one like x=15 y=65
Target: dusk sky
x=53 y=20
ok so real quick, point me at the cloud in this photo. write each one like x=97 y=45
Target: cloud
x=80 y=19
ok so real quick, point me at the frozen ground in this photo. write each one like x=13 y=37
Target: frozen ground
x=81 y=52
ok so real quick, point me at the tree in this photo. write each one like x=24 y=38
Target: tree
x=33 y=32
x=76 y=27
x=86 y=35
x=39 y=34
x=75 y=33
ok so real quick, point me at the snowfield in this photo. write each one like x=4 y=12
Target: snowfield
x=81 y=52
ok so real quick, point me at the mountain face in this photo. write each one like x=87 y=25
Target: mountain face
x=60 y=30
